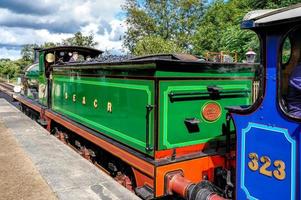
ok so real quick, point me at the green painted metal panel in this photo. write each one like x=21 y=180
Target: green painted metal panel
x=204 y=74
x=172 y=113
x=129 y=98
x=42 y=80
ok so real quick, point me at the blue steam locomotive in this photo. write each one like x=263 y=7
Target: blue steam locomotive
x=268 y=135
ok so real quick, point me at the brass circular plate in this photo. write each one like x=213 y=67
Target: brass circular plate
x=50 y=57
x=211 y=111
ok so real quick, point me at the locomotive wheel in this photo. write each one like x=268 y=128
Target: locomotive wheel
x=124 y=180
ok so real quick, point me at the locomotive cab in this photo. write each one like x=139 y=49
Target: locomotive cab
x=52 y=56
x=36 y=76
x=267 y=134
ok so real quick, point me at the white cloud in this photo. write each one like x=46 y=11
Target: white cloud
x=91 y=28
x=118 y=29
x=21 y=36
x=20 y=25
x=12 y=54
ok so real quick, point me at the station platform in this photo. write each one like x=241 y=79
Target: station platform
x=35 y=165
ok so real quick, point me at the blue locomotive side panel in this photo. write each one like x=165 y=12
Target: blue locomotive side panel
x=268 y=161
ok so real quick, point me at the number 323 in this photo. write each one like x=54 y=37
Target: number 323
x=278 y=173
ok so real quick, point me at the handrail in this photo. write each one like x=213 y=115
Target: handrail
x=149 y=108
x=211 y=92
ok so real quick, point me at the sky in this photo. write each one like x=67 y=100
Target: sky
x=38 y=21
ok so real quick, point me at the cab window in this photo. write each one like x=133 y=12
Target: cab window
x=290 y=73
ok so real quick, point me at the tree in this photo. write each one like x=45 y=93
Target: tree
x=22 y=63
x=264 y=4
x=220 y=29
x=236 y=40
x=220 y=26
x=80 y=40
x=9 y=68
x=49 y=45
x=193 y=25
x=155 y=45
x=172 y=20
x=27 y=51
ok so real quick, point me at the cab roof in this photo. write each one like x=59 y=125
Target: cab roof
x=272 y=17
x=83 y=50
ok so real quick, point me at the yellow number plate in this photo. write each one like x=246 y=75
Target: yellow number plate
x=263 y=163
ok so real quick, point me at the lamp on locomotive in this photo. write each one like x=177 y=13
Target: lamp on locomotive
x=251 y=56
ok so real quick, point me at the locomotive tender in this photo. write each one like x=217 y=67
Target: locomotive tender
x=155 y=123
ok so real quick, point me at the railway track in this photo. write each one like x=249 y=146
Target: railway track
x=7 y=92
x=7 y=88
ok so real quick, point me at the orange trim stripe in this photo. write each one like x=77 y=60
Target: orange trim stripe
x=22 y=100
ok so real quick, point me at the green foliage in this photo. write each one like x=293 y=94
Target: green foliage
x=220 y=29
x=286 y=51
x=27 y=51
x=171 y=20
x=80 y=40
x=236 y=40
x=192 y=25
x=155 y=45
x=9 y=68
x=49 y=45
x=12 y=68
x=22 y=63
x=269 y=4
